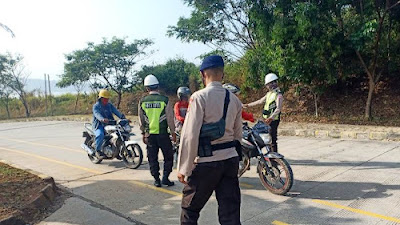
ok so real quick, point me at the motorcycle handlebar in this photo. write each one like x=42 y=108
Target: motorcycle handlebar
x=114 y=122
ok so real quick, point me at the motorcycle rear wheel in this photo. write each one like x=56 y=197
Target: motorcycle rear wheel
x=281 y=178
x=92 y=158
x=137 y=156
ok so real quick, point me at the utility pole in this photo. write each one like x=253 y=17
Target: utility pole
x=45 y=93
x=51 y=104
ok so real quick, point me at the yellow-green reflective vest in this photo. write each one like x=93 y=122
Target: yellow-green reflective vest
x=270 y=105
x=153 y=106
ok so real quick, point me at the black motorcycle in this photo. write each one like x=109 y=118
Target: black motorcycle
x=175 y=147
x=116 y=144
x=274 y=171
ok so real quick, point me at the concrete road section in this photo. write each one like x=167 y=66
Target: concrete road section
x=336 y=181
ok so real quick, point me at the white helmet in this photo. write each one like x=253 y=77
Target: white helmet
x=183 y=91
x=150 y=80
x=270 y=77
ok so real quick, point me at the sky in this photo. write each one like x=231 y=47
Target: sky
x=46 y=30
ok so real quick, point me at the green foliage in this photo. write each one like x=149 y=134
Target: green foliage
x=223 y=24
x=221 y=52
x=171 y=75
x=113 y=61
x=13 y=78
x=12 y=72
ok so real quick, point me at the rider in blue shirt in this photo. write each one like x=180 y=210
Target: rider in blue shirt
x=102 y=114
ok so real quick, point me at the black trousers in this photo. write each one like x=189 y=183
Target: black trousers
x=155 y=142
x=274 y=134
x=221 y=177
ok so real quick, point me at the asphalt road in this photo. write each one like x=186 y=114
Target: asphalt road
x=336 y=182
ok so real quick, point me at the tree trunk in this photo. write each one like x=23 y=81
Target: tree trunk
x=76 y=102
x=316 y=104
x=7 y=109
x=119 y=99
x=27 y=113
x=368 y=106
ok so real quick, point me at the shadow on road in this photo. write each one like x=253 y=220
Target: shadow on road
x=150 y=206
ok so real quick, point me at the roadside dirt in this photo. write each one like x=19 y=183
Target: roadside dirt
x=17 y=189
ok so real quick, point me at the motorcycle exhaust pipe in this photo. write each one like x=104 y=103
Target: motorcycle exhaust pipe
x=87 y=149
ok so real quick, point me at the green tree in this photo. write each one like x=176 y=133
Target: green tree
x=298 y=40
x=5 y=97
x=224 y=24
x=171 y=75
x=13 y=75
x=110 y=62
x=310 y=44
x=372 y=29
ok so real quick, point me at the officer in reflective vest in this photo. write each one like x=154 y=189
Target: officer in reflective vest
x=155 y=116
x=272 y=107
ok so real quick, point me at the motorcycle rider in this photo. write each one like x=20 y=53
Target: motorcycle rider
x=180 y=110
x=181 y=107
x=272 y=107
x=236 y=90
x=103 y=112
x=155 y=116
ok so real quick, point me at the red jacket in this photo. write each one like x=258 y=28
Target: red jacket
x=248 y=116
x=180 y=110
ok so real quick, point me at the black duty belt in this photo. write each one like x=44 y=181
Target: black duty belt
x=224 y=145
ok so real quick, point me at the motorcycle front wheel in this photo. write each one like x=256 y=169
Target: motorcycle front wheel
x=279 y=179
x=243 y=165
x=132 y=156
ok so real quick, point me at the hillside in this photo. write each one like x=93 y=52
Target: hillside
x=341 y=104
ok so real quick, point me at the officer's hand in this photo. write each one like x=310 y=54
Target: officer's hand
x=245 y=105
x=106 y=120
x=145 y=140
x=181 y=178
x=173 y=137
x=268 y=121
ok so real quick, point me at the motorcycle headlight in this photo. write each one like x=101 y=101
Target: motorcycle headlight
x=266 y=138
x=127 y=128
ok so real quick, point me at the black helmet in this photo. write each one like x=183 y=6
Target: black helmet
x=232 y=88
x=183 y=91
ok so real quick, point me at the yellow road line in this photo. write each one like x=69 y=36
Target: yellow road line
x=397 y=220
x=246 y=185
x=53 y=160
x=156 y=188
x=45 y=145
x=98 y=172
x=276 y=222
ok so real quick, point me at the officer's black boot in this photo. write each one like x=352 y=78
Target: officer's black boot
x=157 y=182
x=166 y=181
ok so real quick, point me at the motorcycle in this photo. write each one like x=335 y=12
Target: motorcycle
x=116 y=144
x=175 y=147
x=274 y=171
